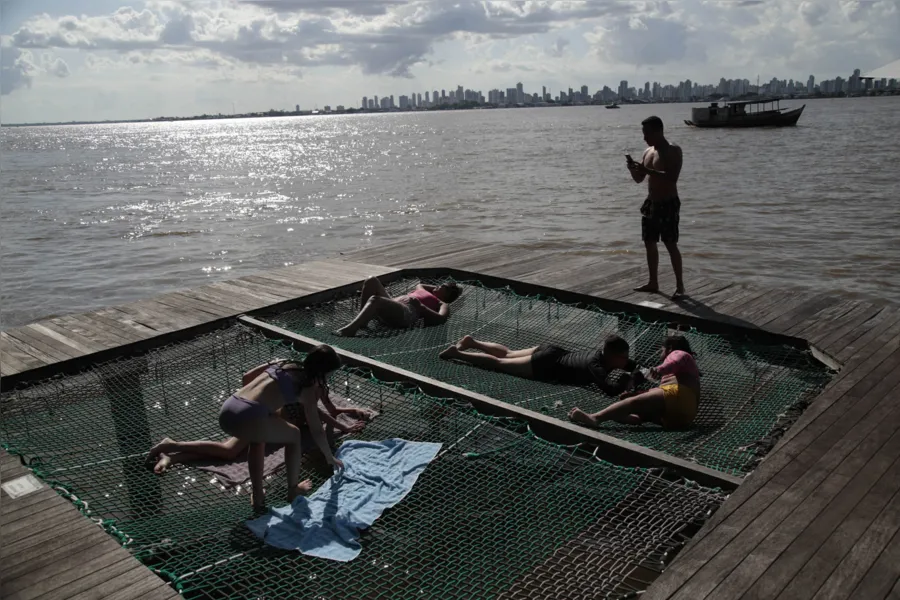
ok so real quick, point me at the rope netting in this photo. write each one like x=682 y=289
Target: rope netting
x=750 y=391
x=499 y=512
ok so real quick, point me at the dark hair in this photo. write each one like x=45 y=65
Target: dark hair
x=653 y=123
x=451 y=292
x=615 y=345
x=319 y=362
x=677 y=342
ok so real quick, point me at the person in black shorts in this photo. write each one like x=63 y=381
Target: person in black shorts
x=550 y=363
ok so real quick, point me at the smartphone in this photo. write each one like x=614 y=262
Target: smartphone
x=628 y=158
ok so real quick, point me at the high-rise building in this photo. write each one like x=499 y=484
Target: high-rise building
x=419 y=99
x=297 y=108
x=520 y=93
x=365 y=103
x=623 y=89
x=512 y=96
x=377 y=104
x=584 y=93
x=371 y=104
x=810 y=85
x=460 y=93
x=404 y=102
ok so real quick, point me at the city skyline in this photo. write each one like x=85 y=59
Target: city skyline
x=684 y=90
x=66 y=60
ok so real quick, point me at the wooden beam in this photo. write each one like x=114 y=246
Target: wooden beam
x=612 y=449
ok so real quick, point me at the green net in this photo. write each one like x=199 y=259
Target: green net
x=750 y=390
x=499 y=513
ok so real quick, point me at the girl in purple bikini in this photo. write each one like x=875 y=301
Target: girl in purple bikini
x=251 y=415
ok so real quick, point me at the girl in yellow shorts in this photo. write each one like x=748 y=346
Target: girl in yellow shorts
x=673 y=404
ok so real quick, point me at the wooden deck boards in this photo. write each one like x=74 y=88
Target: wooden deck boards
x=50 y=551
x=819 y=518
x=70 y=337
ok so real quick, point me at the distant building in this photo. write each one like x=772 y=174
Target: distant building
x=340 y=108
x=327 y=108
x=365 y=103
x=297 y=108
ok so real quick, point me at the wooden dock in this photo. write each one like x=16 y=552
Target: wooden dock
x=820 y=517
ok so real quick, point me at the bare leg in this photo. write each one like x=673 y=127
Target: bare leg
x=492 y=348
x=227 y=450
x=675 y=255
x=389 y=311
x=275 y=430
x=372 y=287
x=652 y=266
x=649 y=406
x=255 y=464
x=519 y=366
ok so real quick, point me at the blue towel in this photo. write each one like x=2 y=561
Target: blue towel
x=377 y=476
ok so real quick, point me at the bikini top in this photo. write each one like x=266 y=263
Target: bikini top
x=285 y=382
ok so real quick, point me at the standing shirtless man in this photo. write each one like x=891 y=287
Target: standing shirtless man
x=661 y=162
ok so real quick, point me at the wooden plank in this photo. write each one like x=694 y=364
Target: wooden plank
x=798 y=313
x=256 y=294
x=613 y=448
x=813 y=450
x=84 y=580
x=129 y=585
x=98 y=337
x=851 y=323
x=856 y=350
x=40 y=583
x=819 y=514
x=125 y=328
x=179 y=300
x=810 y=559
x=10 y=364
x=823 y=318
x=38 y=346
x=725 y=547
x=65 y=340
x=863 y=557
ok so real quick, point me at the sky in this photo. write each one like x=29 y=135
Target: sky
x=129 y=59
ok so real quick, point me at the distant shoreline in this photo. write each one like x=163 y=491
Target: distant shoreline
x=464 y=106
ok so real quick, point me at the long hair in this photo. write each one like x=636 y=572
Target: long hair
x=319 y=362
x=677 y=342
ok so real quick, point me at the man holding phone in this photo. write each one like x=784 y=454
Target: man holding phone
x=661 y=165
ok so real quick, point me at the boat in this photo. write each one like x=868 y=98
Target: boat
x=613 y=105
x=768 y=113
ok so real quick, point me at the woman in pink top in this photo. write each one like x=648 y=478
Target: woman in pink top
x=428 y=302
x=673 y=404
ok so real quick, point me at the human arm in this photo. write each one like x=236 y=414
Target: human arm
x=672 y=160
x=633 y=168
x=316 y=429
x=428 y=288
x=431 y=317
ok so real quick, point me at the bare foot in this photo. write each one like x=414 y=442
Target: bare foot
x=451 y=353
x=577 y=415
x=163 y=446
x=345 y=332
x=466 y=343
x=650 y=288
x=162 y=464
x=679 y=293
x=302 y=489
x=257 y=506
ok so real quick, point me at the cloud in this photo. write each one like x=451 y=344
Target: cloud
x=642 y=41
x=18 y=68
x=558 y=49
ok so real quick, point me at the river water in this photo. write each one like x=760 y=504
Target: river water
x=94 y=215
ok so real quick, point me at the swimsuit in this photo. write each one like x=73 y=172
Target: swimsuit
x=237 y=411
x=426 y=298
x=683 y=397
x=553 y=364
x=680 y=405
x=659 y=220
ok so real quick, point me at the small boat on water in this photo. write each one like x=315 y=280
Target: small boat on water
x=768 y=113
x=613 y=105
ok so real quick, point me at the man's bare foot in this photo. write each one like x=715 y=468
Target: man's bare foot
x=302 y=489
x=451 y=353
x=466 y=342
x=650 y=288
x=162 y=464
x=345 y=332
x=258 y=505
x=577 y=415
x=679 y=293
x=163 y=446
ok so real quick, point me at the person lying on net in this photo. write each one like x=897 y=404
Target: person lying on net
x=169 y=452
x=427 y=302
x=251 y=415
x=552 y=364
x=673 y=404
